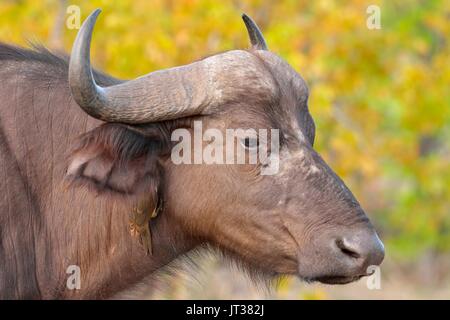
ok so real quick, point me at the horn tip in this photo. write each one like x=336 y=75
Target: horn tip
x=95 y=13
x=245 y=17
x=256 y=38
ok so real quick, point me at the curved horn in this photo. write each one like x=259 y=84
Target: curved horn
x=161 y=95
x=256 y=37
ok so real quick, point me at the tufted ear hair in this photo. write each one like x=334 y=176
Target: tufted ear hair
x=119 y=159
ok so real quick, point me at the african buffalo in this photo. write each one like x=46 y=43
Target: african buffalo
x=85 y=160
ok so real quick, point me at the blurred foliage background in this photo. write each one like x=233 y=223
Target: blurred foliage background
x=380 y=99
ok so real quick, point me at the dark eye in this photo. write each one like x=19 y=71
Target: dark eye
x=250 y=143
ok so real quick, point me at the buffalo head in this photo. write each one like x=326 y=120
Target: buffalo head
x=300 y=220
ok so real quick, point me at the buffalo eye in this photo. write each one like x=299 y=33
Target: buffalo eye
x=250 y=143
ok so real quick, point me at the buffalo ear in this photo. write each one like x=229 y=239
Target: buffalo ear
x=113 y=158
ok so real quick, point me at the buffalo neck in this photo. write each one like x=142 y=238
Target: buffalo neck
x=109 y=258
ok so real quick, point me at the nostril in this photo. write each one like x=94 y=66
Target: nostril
x=347 y=250
x=350 y=253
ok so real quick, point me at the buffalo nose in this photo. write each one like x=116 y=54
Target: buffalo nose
x=363 y=248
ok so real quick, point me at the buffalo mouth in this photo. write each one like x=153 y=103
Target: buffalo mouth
x=338 y=279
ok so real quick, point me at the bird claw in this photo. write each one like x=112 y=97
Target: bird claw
x=140 y=225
